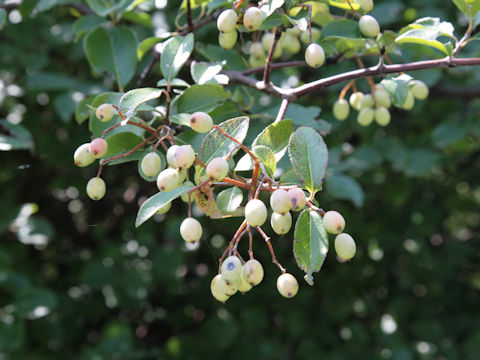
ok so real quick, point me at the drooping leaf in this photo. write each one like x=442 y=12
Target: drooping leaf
x=131 y=100
x=229 y=200
x=86 y=23
x=309 y=156
x=201 y=98
x=154 y=203
x=310 y=244
x=176 y=52
x=397 y=87
x=346 y=188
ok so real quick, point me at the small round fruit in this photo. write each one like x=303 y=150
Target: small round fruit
x=305 y=36
x=184 y=197
x=369 y=26
x=341 y=109
x=168 y=180
x=279 y=201
x=191 y=230
x=256 y=62
x=256 y=49
x=355 y=99
x=334 y=222
x=151 y=164
x=96 y=188
x=287 y=285
x=201 y=122
x=105 y=112
x=293 y=31
x=314 y=55
x=382 y=116
x=216 y=289
x=281 y=224
x=256 y=212
x=171 y=155
x=227 y=20
x=253 y=18
x=252 y=272
x=82 y=156
x=267 y=41
x=297 y=199
x=231 y=269
x=365 y=116
x=345 y=246
x=98 y=148
x=419 y=89
x=217 y=169
x=382 y=98
x=227 y=40
x=243 y=285
x=366 y=101
x=164 y=209
x=227 y=288
x=365 y=5
x=409 y=102
x=292 y=44
x=184 y=157
x=182 y=175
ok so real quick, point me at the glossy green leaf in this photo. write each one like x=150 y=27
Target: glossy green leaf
x=310 y=244
x=203 y=73
x=119 y=143
x=176 y=52
x=82 y=111
x=201 y=98
x=105 y=7
x=154 y=203
x=181 y=119
x=289 y=177
x=468 y=7
x=87 y=23
x=270 y=6
x=229 y=200
x=148 y=43
x=309 y=156
x=113 y=50
x=344 y=28
x=345 y=188
x=174 y=83
x=397 y=87
x=130 y=102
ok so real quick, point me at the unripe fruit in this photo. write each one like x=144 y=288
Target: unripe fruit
x=355 y=99
x=256 y=49
x=98 y=148
x=419 y=89
x=255 y=212
x=295 y=31
x=305 y=36
x=82 y=156
x=216 y=289
x=227 y=40
x=409 y=102
x=297 y=199
x=345 y=246
x=256 y=62
x=287 y=285
x=182 y=175
x=267 y=41
x=231 y=270
x=279 y=201
x=243 y=285
x=191 y=230
x=314 y=55
x=105 y=112
x=334 y=222
x=365 y=116
x=184 y=157
x=171 y=155
x=96 y=188
x=252 y=272
x=168 y=180
x=369 y=26
x=227 y=20
x=185 y=196
x=201 y=122
x=227 y=288
x=382 y=116
x=365 y=5
x=382 y=98
x=151 y=164
x=341 y=109
x=164 y=209
x=366 y=101
x=292 y=45
x=217 y=169
x=253 y=18
x=281 y=224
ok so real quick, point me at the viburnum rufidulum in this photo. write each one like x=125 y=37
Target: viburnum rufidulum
x=314 y=55
x=287 y=285
x=217 y=169
x=82 y=156
x=151 y=164
x=253 y=18
x=345 y=246
x=201 y=122
x=98 y=148
x=297 y=199
x=105 y=112
x=191 y=230
x=96 y=188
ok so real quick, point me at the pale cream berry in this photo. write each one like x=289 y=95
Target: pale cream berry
x=256 y=212
x=345 y=246
x=168 y=180
x=409 y=102
x=151 y=164
x=419 y=89
x=105 y=112
x=355 y=99
x=201 y=122
x=98 y=148
x=228 y=288
x=369 y=26
x=252 y=272
x=341 y=109
x=291 y=44
x=365 y=5
x=184 y=197
x=96 y=188
x=279 y=201
x=171 y=156
x=216 y=289
x=366 y=101
x=305 y=36
x=184 y=157
x=281 y=223
x=267 y=41
x=191 y=230
x=297 y=199
x=314 y=55
x=231 y=269
x=333 y=222
x=227 y=20
x=243 y=285
x=226 y=40
x=287 y=285
x=365 y=116
x=256 y=49
x=253 y=18
x=217 y=169
x=82 y=156
x=382 y=98
x=382 y=116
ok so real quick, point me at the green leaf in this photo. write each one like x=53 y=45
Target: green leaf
x=270 y=6
x=82 y=111
x=176 y=52
x=397 y=87
x=309 y=157
x=310 y=245
x=87 y=23
x=151 y=206
x=148 y=43
x=203 y=73
x=3 y=18
x=134 y=98
x=339 y=29
x=12 y=334
x=120 y=143
x=343 y=5
x=346 y=188
x=229 y=200
x=30 y=299
x=201 y=98
x=113 y=50
x=469 y=7
x=105 y=7
x=289 y=177
x=267 y=158
x=19 y=139
x=45 y=5
x=173 y=83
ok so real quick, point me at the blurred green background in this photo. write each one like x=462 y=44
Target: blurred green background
x=78 y=281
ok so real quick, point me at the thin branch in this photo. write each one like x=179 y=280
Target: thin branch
x=283 y=109
x=268 y=62
x=272 y=253
x=148 y=68
x=275 y=66
x=144 y=127
x=189 y=16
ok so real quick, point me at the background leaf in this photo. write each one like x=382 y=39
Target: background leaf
x=131 y=100
x=200 y=98
x=176 y=52
x=229 y=200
